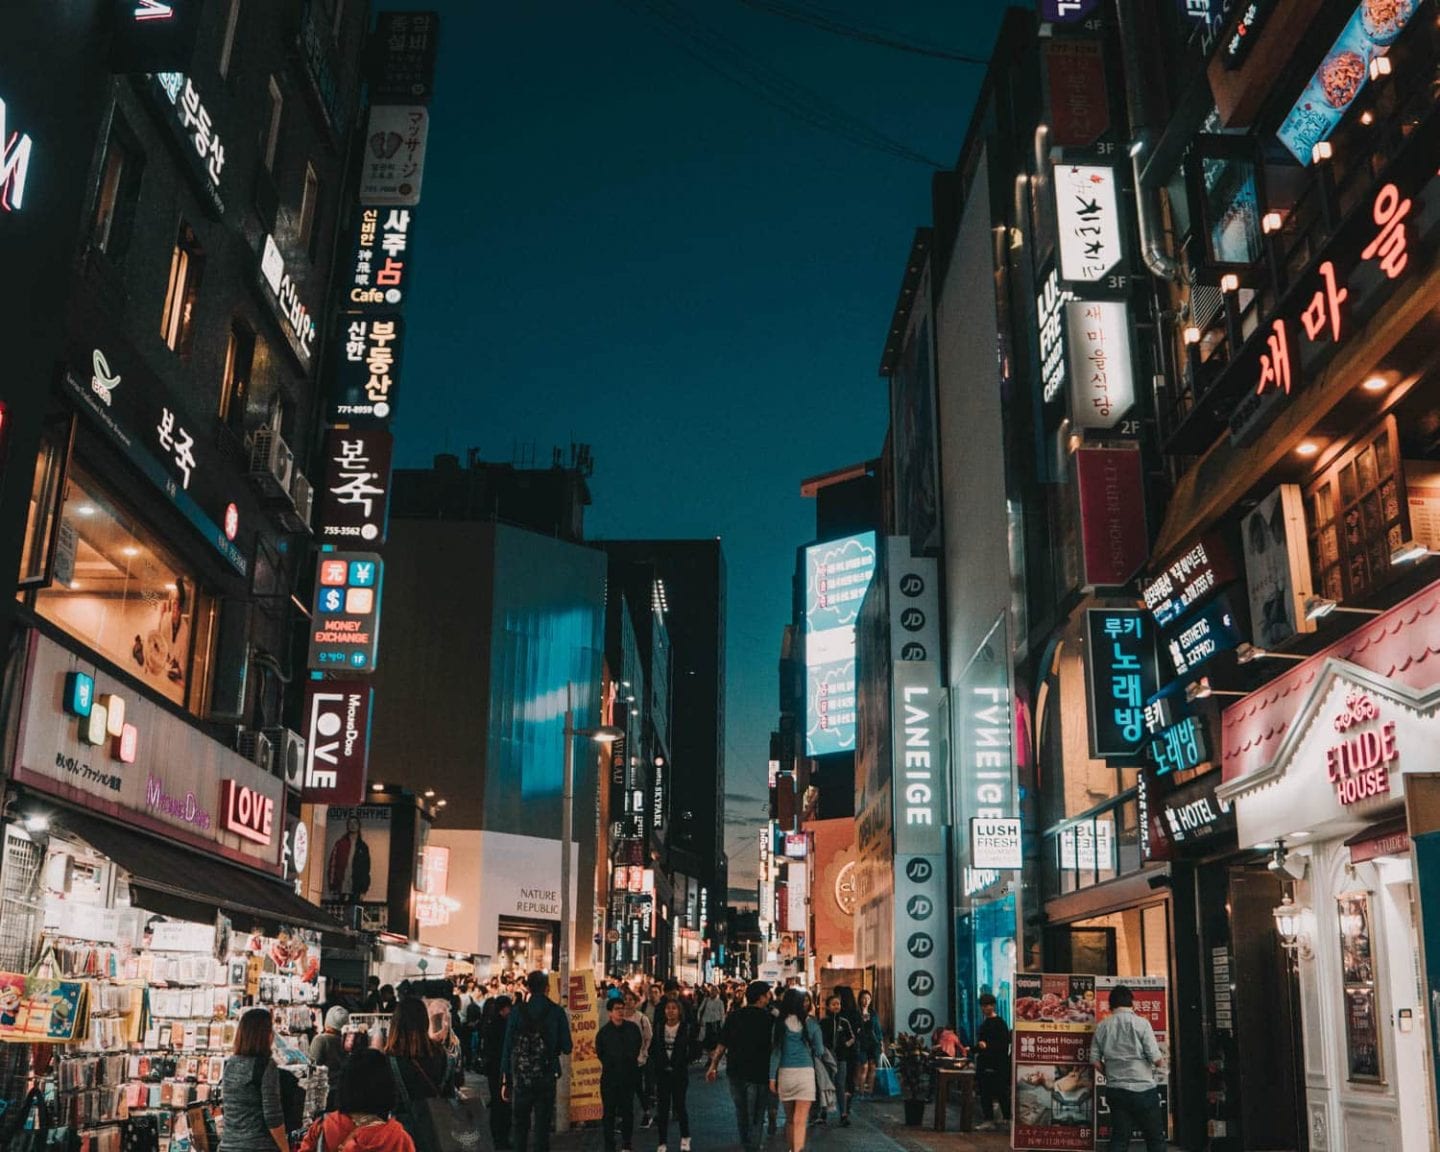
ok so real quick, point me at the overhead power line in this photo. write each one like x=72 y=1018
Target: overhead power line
x=728 y=59
x=817 y=17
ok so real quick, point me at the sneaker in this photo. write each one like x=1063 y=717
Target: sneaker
x=684 y=1144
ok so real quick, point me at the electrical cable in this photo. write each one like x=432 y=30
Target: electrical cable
x=828 y=22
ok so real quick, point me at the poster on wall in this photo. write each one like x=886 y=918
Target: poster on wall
x=1277 y=567
x=837 y=575
x=1357 y=974
x=357 y=854
x=584 y=1010
x=1152 y=1001
x=1053 y=1081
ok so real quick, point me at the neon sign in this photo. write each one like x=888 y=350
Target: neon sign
x=15 y=150
x=1358 y=766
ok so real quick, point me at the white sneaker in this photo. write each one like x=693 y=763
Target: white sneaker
x=684 y=1144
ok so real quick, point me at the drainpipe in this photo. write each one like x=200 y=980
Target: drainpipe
x=1137 y=109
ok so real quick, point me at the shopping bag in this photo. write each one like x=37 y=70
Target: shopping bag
x=38 y=1009
x=887 y=1079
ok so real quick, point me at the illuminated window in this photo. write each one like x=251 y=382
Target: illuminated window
x=227 y=45
x=41 y=518
x=118 y=590
x=187 y=264
x=272 y=131
x=119 y=193
x=309 y=205
x=239 y=364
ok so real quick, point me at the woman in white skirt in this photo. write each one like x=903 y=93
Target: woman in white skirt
x=796 y=1047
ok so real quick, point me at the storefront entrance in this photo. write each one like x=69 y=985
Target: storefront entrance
x=526 y=946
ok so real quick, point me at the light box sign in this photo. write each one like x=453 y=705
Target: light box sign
x=392 y=165
x=1198 y=638
x=1102 y=383
x=1178 y=747
x=406 y=47
x=1277 y=566
x=345 y=616
x=914 y=603
x=1079 y=102
x=380 y=260
x=1087 y=212
x=294 y=314
x=15 y=150
x=189 y=122
x=367 y=372
x=1123 y=675
x=1343 y=74
x=153 y=35
x=337 y=741
x=837 y=576
x=355 y=488
x=1114 y=539
x=1067 y=11
x=922 y=943
x=1050 y=314
x=1191 y=578
x=246 y=812
x=995 y=843
x=796 y=845
x=921 y=777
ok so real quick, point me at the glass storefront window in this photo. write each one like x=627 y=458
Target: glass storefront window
x=115 y=588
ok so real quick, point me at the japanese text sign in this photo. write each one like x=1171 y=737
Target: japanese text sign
x=1197 y=638
x=345 y=616
x=1102 y=383
x=355 y=489
x=367 y=373
x=337 y=741
x=1123 y=675
x=392 y=165
x=379 y=263
x=1087 y=212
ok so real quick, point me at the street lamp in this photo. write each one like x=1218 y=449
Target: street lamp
x=605 y=734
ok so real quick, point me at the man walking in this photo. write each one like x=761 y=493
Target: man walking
x=1125 y=1052
x=618 y=1045
x=536 y=1036
x=992 y=1063
x=745 y=1038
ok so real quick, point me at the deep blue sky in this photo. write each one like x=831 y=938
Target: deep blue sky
x=618 y=247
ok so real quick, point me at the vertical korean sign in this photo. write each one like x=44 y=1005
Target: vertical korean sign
x=584 y=1012
x=1054 y=1083
x=1123 y=675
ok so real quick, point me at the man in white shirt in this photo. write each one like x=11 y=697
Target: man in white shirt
x=1125 y=1052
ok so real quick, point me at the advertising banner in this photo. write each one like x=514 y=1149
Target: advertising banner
x=355 y=486
x=837 y=575
x=367 y=371
x=392 y=166
x=914 y=604
x=379 y=263
x=1113 y=536
x=1079 y=102
x=337 y=741
x=922 y=944
x=406 y=44
x=1123 y=674
x=357 y=854
x=584 y=1009
x=921 y=778
x=1054 y=1083
x=1277 y=567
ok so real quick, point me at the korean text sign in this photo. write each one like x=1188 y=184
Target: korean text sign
x=367 y=372
x=355 y=489
x=1087 y=213
x=380 y=261
x=1123 y=675
x=345 y=617
x=1054 y=1083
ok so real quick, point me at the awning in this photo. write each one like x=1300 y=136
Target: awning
x=1388 y=838
x=172 y=880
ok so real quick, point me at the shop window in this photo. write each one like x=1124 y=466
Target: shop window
x=187 y=265
x=239 y=364
x=119 y=193
x=309 y=206
x=116 y=588
x=1356 y=517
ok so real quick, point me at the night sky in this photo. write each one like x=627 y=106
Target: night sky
x=619 y=247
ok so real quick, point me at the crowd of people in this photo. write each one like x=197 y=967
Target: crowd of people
x=786 y=1051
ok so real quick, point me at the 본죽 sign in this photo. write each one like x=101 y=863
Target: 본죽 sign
x=355 y=489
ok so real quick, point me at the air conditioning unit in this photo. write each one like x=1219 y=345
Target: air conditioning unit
x=255 y=747
x=289 y=755
x=272 y=464
x=297 y=519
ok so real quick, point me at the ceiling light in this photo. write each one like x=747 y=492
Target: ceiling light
x=130 y=550
x=1381 y=66
x=441 y=803
x=1375 y=384
x=377 y=787
x=1307 y=448
x=35 y=822
x=1249 y=653
x=84 y=510
x=1230 y=282
x=429 y=793
x=170 y=587
x=1192 y=335
x=1200 y=690
x=1137 y=147
x=1367 y=117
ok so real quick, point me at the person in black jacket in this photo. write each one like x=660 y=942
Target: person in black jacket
x=618 y=1046
x=839 y=1036
x=492 y=1043
x=992 y=1063
x=672 y=1048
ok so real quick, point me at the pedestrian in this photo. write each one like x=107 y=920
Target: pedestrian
x=644 y=1086
x=536 y=1036
x=371 y=1002
x=796 y=1047
x=711 y=1016
x=442 y=1032
x=362 y=1119
x=992 y=1063
x=655 y=1004
x=1125 y=1052
x=671 y=1052
x=839 y=1036
x=386 y=1000
x=492 y=1044
x=254 y=1113
x=618 y=1045
x=869 y=1039
x=327 y=1050
x=745 y=1047
x=418 y=1066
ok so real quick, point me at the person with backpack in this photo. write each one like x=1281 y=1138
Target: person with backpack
x=618 y=1044
x=536 y=1036
x=362 y=1119
x=251 y=1090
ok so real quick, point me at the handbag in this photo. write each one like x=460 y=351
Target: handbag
x=435 y=1124
x=887 y=1079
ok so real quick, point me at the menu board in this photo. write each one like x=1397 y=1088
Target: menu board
x=1054 y=1084
x=1357 y=974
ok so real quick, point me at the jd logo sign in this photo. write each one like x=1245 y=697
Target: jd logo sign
x=919 y=907
x=922 y=1021
x=912 y=619
x=911 y=585
x=919 y=871
x=920 y=982
x=913 y=650
x=920 y=945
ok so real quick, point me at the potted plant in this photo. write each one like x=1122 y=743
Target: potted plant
x=912 y=1062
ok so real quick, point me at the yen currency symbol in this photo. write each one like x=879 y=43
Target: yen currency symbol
x=918 y=871
x=921 y=983
x=912 y=619
x=919 y=907
x=911 y=585
x=922 y=1020
x=913 y=650
x=920 y=945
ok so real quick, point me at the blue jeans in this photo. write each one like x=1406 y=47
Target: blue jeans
x=1131 y=1110
x=751 y=1101
x=842 y=1085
